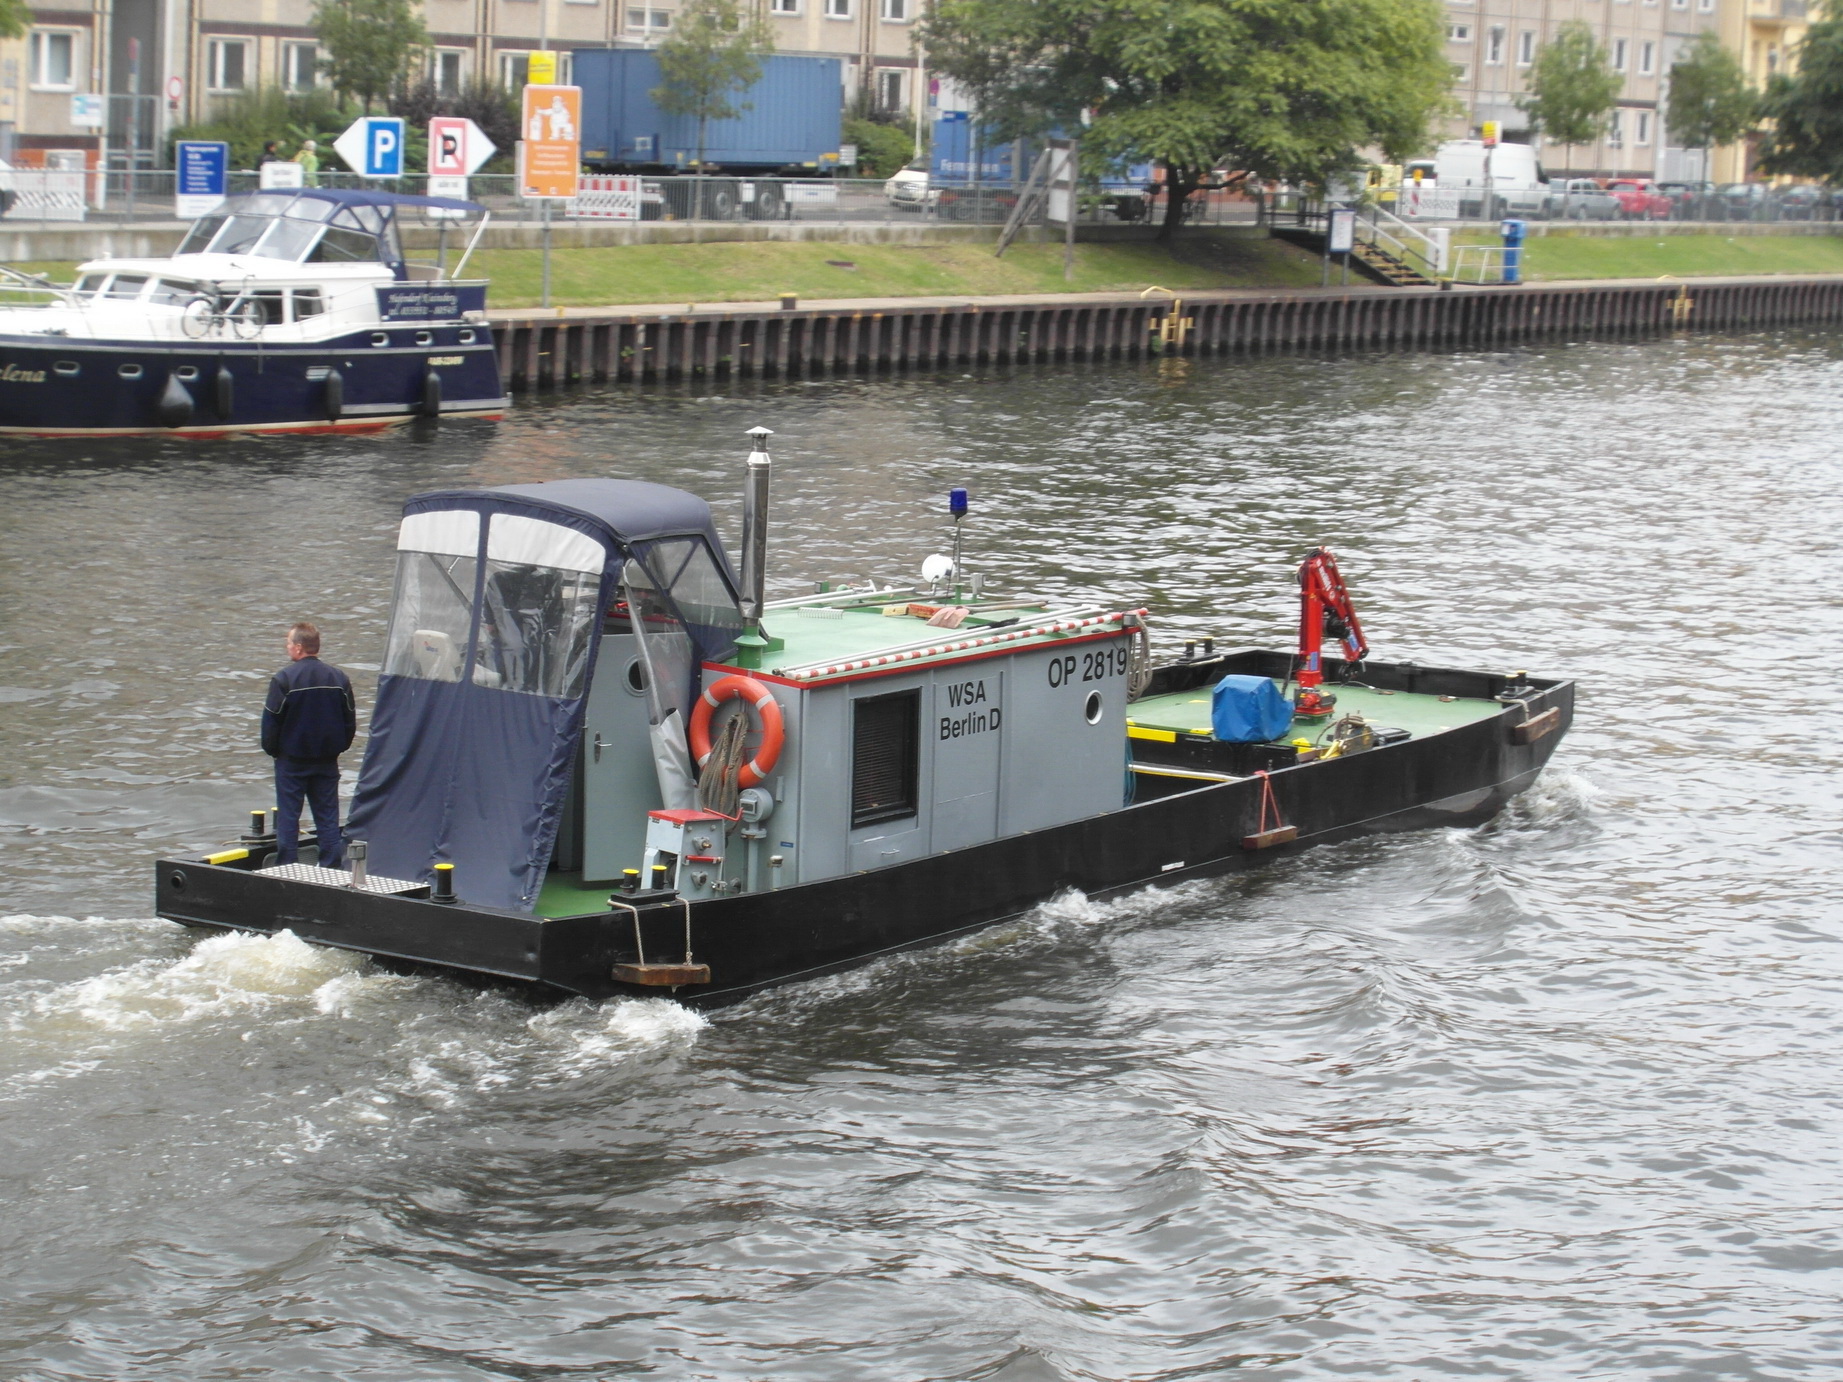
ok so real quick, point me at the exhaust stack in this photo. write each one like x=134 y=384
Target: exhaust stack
x=755 y=529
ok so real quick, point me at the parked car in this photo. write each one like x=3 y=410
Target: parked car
x=1582 y=199
x=1639 y=199
x=1805 y=202
x=908 y=189
x=1689 y=201
x=1747 y=201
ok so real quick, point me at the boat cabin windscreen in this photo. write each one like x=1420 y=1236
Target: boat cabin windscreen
x=298 y=229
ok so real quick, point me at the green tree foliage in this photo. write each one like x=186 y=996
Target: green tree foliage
x=1805 y=136
x=713 y=54
x=1710 y=101
x=1281 y=88
x=250 y=119
x=882 y=148
x=1572 y=87
x=15 y=19
x=371 y=45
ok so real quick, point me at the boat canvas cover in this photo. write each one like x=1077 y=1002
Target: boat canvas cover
x=1248 y=710
x=494 y=628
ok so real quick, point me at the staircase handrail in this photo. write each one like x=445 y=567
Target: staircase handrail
x=1407 y=244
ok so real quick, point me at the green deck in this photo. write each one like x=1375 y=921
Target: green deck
x=843 y=635
x=1188 y=712
x=565 y=895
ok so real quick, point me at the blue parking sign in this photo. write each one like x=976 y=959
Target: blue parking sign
x=373 y=146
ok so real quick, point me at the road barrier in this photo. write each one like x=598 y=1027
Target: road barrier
x=588 y=345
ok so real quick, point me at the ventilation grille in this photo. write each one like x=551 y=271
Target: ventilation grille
x=885 y=753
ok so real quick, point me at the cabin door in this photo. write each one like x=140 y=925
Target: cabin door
x=619 y=785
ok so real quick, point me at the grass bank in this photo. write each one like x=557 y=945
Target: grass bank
x=751 y=272
x=1553 y=258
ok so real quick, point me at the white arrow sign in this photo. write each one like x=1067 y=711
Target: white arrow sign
x=457 y=146
x=373 y=146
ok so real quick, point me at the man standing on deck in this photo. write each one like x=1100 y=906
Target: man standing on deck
x=307 y=722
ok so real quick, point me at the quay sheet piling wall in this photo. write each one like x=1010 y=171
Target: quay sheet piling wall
x=538 y=351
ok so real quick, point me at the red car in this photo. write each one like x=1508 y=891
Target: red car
x=1639 y=199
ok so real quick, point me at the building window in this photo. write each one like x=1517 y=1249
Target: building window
x=1526 y=47
x=896 y=11
x=1615 y=131
x=1619 y=50
x=838 y=9
x=648 y=21
x=514 y=70
x=227 y=64
x=1494 y=46
x=1647 y=57
x=1643 y=133
x=783 y=6
x=1679 y=4
x=885 y=757
x=1706 y=6
x=1462 y=71
x=54 y=60
x=889 y=89
x=300 y=66
x=1458 y=33
x=449 y=70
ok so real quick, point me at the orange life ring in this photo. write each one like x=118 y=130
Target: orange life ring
x=774 y=729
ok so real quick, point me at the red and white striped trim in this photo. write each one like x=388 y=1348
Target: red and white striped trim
x=943 y=649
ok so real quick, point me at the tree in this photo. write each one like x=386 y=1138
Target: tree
x=15 y=19
x=1805 y=136
x=713 y=54
x=1286 y=89
x=1710 y=101
x=371 y=45
x=484 y=101
x=1572 y=87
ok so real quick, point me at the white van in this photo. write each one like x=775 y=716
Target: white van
x=1518 y=185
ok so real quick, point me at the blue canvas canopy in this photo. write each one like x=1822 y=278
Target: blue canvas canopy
x=500 y=601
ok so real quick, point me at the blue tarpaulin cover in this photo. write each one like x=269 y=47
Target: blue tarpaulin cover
x=1248 y=710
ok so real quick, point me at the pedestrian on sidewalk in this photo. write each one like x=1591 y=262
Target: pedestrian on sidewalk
x=309 y=159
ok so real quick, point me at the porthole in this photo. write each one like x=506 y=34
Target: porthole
x=128 y=371
x=467 y=337
x=176 y=880
x=1091 y=708
x=378 y=338
x=636 y=677
x=187 y=371
x=68 y=368
x=425 y=338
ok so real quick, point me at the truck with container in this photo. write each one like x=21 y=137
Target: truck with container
x=788 y=127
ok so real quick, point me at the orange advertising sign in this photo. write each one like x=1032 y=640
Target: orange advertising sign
x=550 y=145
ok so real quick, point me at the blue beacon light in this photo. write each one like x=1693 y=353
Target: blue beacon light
x=956 y=503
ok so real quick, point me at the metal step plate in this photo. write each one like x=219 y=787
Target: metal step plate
x=340 y=878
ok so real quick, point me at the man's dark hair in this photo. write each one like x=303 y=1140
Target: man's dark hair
x=305 y=636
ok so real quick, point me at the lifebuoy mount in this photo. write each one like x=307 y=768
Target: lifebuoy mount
x=773 y=727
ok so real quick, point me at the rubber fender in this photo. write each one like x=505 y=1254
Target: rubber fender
x=224 y=397
x=175 y=409
x=432 y=394
x=335 y=395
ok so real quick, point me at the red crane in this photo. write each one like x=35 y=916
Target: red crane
x=1324 y=608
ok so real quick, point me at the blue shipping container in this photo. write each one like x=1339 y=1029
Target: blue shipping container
x=792 y=120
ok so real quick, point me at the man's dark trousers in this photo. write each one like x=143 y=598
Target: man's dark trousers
x=319 y=783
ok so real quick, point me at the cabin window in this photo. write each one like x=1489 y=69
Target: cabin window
x=198 y=239
x=689 y=574
x=345 y=247
x=127 y=285
x=173 y=292
x=885 y=757
x=432 y=612
x=288 y=238
x=538 y=607
x=89 y=285
x=271 y=303
x=307 y=303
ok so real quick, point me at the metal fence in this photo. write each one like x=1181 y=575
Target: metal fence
x=118 y=196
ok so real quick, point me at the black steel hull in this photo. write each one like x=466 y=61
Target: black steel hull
x=1460 y=777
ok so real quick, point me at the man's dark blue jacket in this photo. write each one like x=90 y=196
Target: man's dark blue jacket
x=310 y=716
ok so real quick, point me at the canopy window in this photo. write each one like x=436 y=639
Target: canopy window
x=538 y=605
x=432 y=613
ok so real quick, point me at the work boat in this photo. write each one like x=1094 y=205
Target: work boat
x=602 y=764
x=281 y=311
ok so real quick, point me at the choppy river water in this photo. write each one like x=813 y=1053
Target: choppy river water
x=1557 y=1098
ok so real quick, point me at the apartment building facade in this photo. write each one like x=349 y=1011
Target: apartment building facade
x=94 y=84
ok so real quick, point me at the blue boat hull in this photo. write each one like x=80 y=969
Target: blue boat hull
x=64 y=386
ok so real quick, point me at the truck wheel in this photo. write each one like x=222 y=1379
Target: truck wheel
x=721 y=200
x=767 y=204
